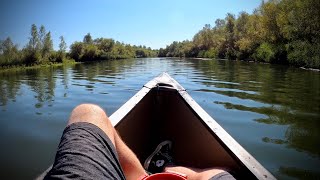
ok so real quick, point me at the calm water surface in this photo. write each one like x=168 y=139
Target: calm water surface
x=273 y=111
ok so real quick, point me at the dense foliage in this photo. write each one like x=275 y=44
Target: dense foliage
x=40 y=50
x=279 y=31
x=103 y=49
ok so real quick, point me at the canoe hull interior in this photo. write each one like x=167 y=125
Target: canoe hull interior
x=164 y=115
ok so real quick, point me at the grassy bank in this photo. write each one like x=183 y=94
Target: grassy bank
x=35 y=66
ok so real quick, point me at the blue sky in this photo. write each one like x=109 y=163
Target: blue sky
x=154 y=23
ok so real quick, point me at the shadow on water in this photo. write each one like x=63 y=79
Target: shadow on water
x=298 y=173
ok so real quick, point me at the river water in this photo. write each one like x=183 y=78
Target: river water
x=273 y=111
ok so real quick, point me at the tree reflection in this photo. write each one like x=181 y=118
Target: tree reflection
x=9 y=86
x=92 y=71
x=42 y=82
x=291 y=97
x=302 y=126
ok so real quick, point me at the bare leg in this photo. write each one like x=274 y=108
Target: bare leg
x=95 y=115
x=193 y=173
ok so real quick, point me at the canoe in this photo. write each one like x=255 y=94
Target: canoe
x=163 y=110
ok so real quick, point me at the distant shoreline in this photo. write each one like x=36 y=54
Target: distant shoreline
x=20 y=67
x=310 y=69
x=205 y=59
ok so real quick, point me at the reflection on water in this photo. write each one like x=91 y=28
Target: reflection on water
x=273 y=111
x=298 y=173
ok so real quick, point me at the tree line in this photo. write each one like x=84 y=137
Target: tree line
x=39 y=50
x=278 y=31
x=103 y=49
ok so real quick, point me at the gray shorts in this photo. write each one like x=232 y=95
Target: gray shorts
x=86 y=152
x=223 y=176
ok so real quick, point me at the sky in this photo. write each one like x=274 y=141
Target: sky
x=153 y=23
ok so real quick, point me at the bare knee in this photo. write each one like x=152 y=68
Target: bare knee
x=93 y=114
x=86 y=113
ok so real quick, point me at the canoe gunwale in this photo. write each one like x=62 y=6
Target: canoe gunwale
x=233 y=146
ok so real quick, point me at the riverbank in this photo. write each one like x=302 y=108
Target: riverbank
x=204 y=59
x=310 y=69
x=258 y=62
x=304 y=68
x=22 y=67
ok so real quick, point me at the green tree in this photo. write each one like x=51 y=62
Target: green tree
x=90 y=52
x=265 y=53
x=62 y=45
x=9 y=54
x=87 y=39
x=42 y=36
x=162 y=52
x=47 y=46
x=7 y=46
x=61 y=54
x=248 y=35
x=270 y=31
x=32 y=51
x=104 y=44
x=219 y=38
x=219 y=23
x=230 y=36
x=76 y=50
x=1 y=47
x=187 y=48
x=34 y=42
x=241 y=32
x=299 y=23
x=203 y=39
x=140 y=53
